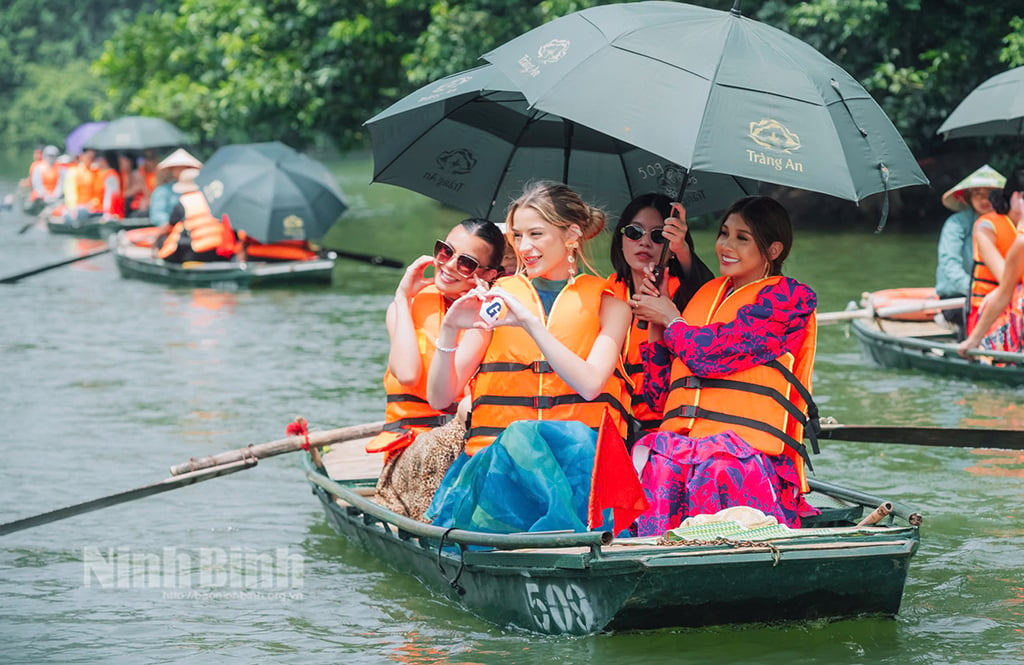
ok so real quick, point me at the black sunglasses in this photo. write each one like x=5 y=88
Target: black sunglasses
x=636 y=232
x=465 y=264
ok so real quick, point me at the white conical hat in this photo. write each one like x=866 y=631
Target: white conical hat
x=986 y=176
x=180 y=157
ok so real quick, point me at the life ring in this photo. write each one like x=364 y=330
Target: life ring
x=906 y=297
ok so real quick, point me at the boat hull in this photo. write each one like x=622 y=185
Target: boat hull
x=95 y=230
x=136 y=262
x=934 y=354
x=584 y=590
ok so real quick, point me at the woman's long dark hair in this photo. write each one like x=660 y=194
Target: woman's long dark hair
x=688 y=284
x=489 y=232
x=1001 y=198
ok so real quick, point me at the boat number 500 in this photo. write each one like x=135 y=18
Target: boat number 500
x=559 y=608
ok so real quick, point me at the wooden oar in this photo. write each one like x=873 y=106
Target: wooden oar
x=892 y=310
x=367 y=258
x=196 y=471
x=943 y=348
x=943 y=437
x=35 y=271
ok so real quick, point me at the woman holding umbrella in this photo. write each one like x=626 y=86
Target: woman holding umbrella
x=637 y=242
x=732 y=375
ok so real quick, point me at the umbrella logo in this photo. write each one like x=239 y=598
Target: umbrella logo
x=773 y=135
x=446 y=88
x=457 y=162
x=553 y=51
x=292 y=226
x=671 y=180
x=213 y=191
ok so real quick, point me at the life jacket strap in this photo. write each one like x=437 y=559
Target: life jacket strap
x=405 y=397
x=424 y=421
x=537 y=367
x=691 y=411
x=548 y=401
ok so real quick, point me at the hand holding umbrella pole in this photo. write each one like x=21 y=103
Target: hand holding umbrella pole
x=659 y=269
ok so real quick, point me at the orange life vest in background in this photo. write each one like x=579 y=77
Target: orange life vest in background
x=515 y=382
x=84 y=186
x=983 y=281
x=647 y=418
x=282 y=250
x=407 y=413
x=766 y=405
x=50 y=177
x=115 y=207
x=205 y=230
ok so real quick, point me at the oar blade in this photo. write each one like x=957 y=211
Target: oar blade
x=165 y=485
x=945 y=437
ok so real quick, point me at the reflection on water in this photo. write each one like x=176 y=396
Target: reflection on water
x=110 y=381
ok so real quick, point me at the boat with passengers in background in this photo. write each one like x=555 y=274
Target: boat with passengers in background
x=584 y=583
x=914 y=340
x=95 y=227
x=136 y=259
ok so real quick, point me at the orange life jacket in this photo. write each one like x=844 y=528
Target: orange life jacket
x=205 y=230
x=514 y=380
x=407 y=413
x=115 y=206
x=282 y=250
x=647 y=418
x=983 y=281
x=50 y=177
x=766 y=405
x=84 y=185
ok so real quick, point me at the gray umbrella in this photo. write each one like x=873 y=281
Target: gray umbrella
x=472 y=141
x=271 y=191
x=136 y=132
x=995 y=107
x=712 y=91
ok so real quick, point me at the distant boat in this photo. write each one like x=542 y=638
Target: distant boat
x=136 y=259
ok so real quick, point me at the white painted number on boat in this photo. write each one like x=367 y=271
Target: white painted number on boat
x=559 y=608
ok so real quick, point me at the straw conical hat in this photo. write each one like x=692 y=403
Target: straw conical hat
x=986 y=176
x=180 y=157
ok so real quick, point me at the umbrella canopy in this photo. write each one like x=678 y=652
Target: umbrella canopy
x=472 y=141
x=994 y=107
x=714 y=92
x=75 y=142
x=136 y=132
x=271 y=191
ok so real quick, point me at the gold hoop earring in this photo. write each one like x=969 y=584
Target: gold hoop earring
x=767 y=270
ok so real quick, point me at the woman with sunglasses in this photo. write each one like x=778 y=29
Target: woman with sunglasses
x=470 y=255
x=545 y=371
x=644 y=226
x=732 y=377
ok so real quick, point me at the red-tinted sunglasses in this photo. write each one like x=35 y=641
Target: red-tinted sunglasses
x=465 y=264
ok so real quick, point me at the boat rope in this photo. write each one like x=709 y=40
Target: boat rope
x=721 y=540
x=453 y=582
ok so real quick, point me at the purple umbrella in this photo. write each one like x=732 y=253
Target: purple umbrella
x=79 y=135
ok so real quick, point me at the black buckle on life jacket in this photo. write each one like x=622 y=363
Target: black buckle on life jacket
x=540 y=367
x=691 y=382
x=542 y=402
x=689 y=411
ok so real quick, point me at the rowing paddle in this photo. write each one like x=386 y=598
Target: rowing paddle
x=366 y=258
x=196 y=471
x=892 y=310
x=943 y=437
x=35 y=271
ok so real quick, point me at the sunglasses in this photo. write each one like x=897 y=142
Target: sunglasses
x=636 y=232
x=465 y=264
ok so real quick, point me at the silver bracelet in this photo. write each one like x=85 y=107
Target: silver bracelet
x=445 y=349
x=678 y=319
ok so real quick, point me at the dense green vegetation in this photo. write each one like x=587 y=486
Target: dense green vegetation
x=312 y=71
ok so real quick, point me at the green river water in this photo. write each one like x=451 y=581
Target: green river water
x=107 y=382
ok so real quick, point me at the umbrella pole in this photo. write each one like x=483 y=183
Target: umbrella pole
x=659 y=269
x=568 y=128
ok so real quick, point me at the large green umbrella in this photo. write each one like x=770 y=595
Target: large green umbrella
x=713 y=92
x=994 y=107
x=271 y=191
x=471 y=141
x=136 y=132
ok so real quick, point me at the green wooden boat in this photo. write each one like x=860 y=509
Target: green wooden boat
x=94 y=228
x=138 y=262
x=926 y=346
x=583 y=583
